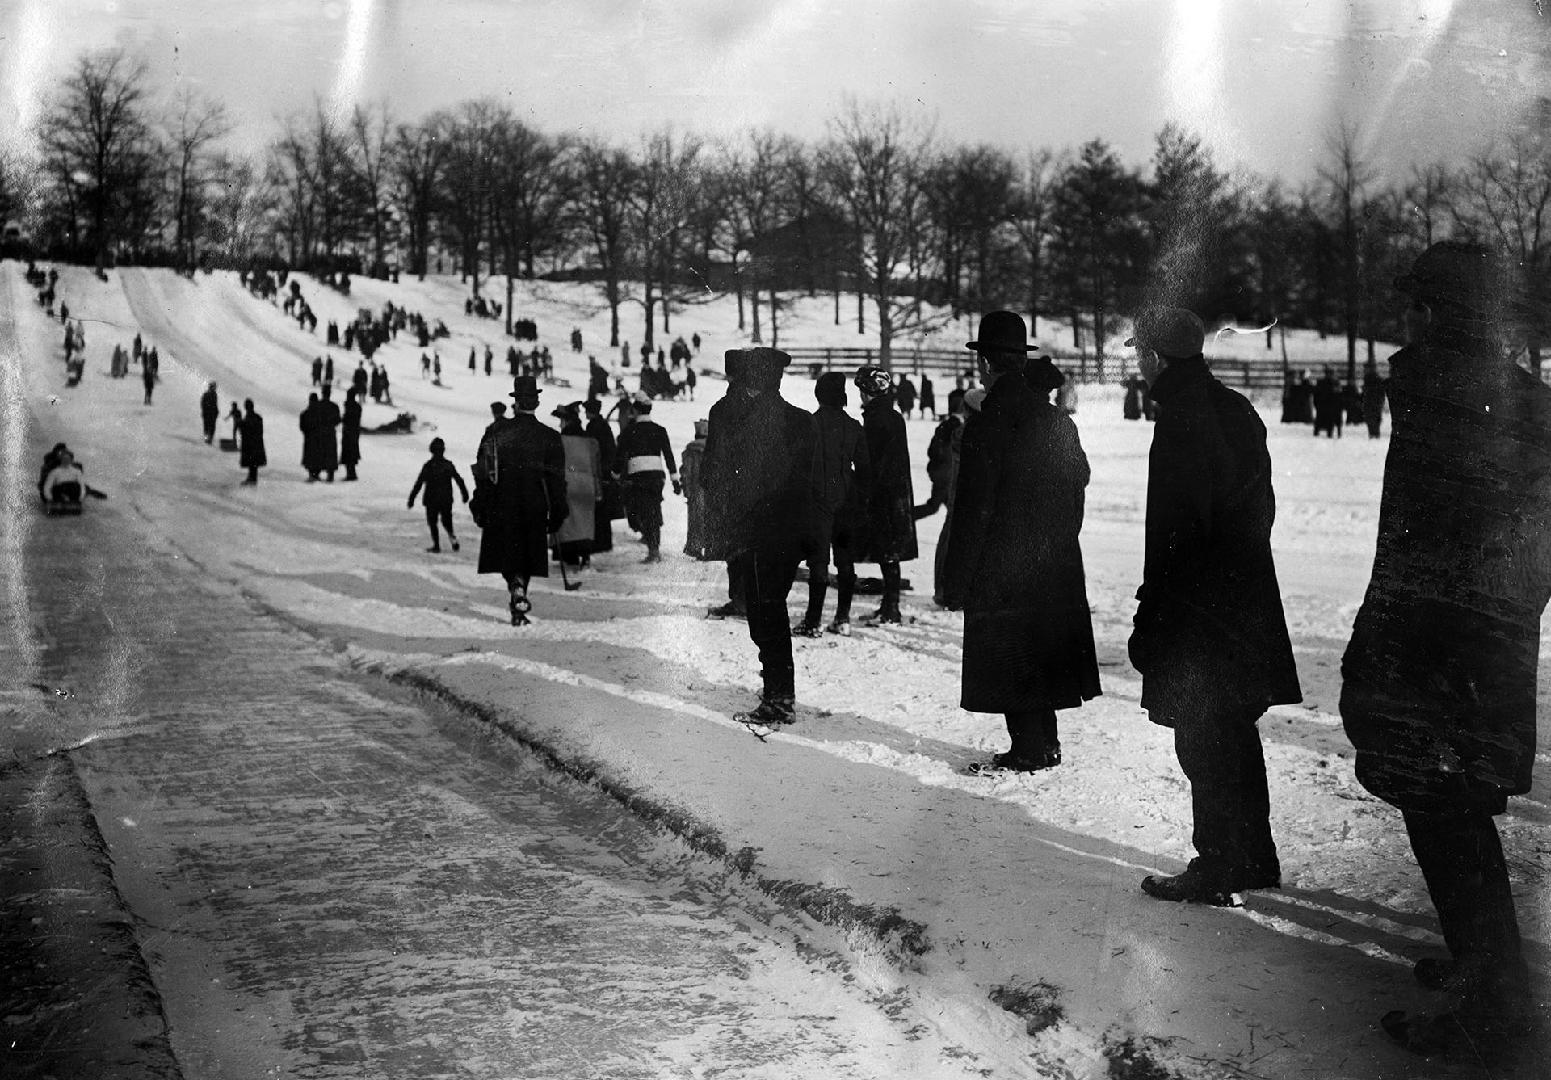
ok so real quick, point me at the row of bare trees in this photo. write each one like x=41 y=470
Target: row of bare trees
x=918 y=229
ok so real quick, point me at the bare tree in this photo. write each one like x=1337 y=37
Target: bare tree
x=757 y=200
x=1347 y=176
x=371 y=148
x=874 y=165
x=531 y=187
x=467 y=179
x=1503 y=199
x=1030 y=212
x=419 y=155
x=98 y=146
x=1427 y=201
x=194 y=126
x=661 y=201
x=969 y=199
x=607 y=180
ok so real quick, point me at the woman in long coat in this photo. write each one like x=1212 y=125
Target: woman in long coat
x=350 y=433
x=890 y=536
x=1014 y=564
x=583 y=488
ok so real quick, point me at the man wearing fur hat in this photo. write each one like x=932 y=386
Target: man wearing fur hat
x=1014 y=564
x=842 y=472
x=890 y=535
x=758 y=471
x=643 y=460
x=1210 y=637
x=1438 y=690
x=519 y=490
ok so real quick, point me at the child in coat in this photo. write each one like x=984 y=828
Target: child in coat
x=437 y=477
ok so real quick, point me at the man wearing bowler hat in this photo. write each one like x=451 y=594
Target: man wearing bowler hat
x=758 y=470
x=1210 y=637
x=1013 y=564
x=519 y=490
x=1438 y=682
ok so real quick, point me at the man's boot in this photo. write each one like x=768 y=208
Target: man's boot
x=888 y=611
x=845 y=588
x=818 y=585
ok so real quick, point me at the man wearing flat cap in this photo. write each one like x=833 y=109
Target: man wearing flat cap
x=1013 y=564
x=1210 y=637
x=1438 y=691
x=519 y=489
x=758 y=471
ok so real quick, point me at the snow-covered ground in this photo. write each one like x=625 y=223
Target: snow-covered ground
x=990 y=868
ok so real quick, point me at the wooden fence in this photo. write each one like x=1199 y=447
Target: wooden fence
x=1264 y=373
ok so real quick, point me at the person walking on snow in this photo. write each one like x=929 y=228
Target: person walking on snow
x=350 y=433
x=890 y=536
x=843 y=472
x=1439 y=678
x=643 y=460
x=209 y=411
x=1210 y=637
x=1014 y=563
x=758 y=470
x=942 y=468
x=327 y=420
x=583 y=488
x=608 y=509
x=252 y=456
x=519 y=496
x=436 y=478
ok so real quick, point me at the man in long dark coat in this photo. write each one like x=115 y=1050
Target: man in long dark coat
x=311 y=454
x=209 y=411
x=350 y=433
x=326 y=422
x=1210 y=636
x=891 y=528
x=519 y=496
x=1014 y=564
x=758 y=470
x=1439 y=677
x=252 y=456
x=843 y=472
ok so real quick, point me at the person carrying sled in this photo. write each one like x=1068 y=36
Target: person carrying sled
x=436 y=478
x=519 y=496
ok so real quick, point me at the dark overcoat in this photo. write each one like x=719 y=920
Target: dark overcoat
x=350 y=433
x=758 y=476
x=1210 y=633
x=1013 y=561
x=891 y=527
x=311 y=456
x=1439 y=676
x=252 y=455
x=519 y=479
x=843 y=476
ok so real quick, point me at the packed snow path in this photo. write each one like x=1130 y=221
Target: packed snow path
x=1018 y=881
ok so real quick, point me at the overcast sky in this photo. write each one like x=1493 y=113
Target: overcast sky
x=1263 y=80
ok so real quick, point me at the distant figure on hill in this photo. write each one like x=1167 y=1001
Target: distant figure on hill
x=1373 y=400
x=148 y=380
x=317 y=371
x=1327 y=406
x=350 y=434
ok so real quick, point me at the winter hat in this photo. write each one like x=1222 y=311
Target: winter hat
x=1042 y=375
x=437 y=446
x=762 y=367
x=873 y=381
x=642 y=404
x=525 y=392
x=1003 y=339
x=593 y=406
x=1171 y=332
x=1453 y=271
x=831 y=389
x=955 y=399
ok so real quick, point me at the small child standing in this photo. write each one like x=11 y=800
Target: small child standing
x=437 y=477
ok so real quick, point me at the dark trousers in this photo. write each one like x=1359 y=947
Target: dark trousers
x=1461 y=858
x=766 y=583
x=818 y=551
x=210 y=430
x=1221 y=756
x=443 y=514
x=643 y=505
